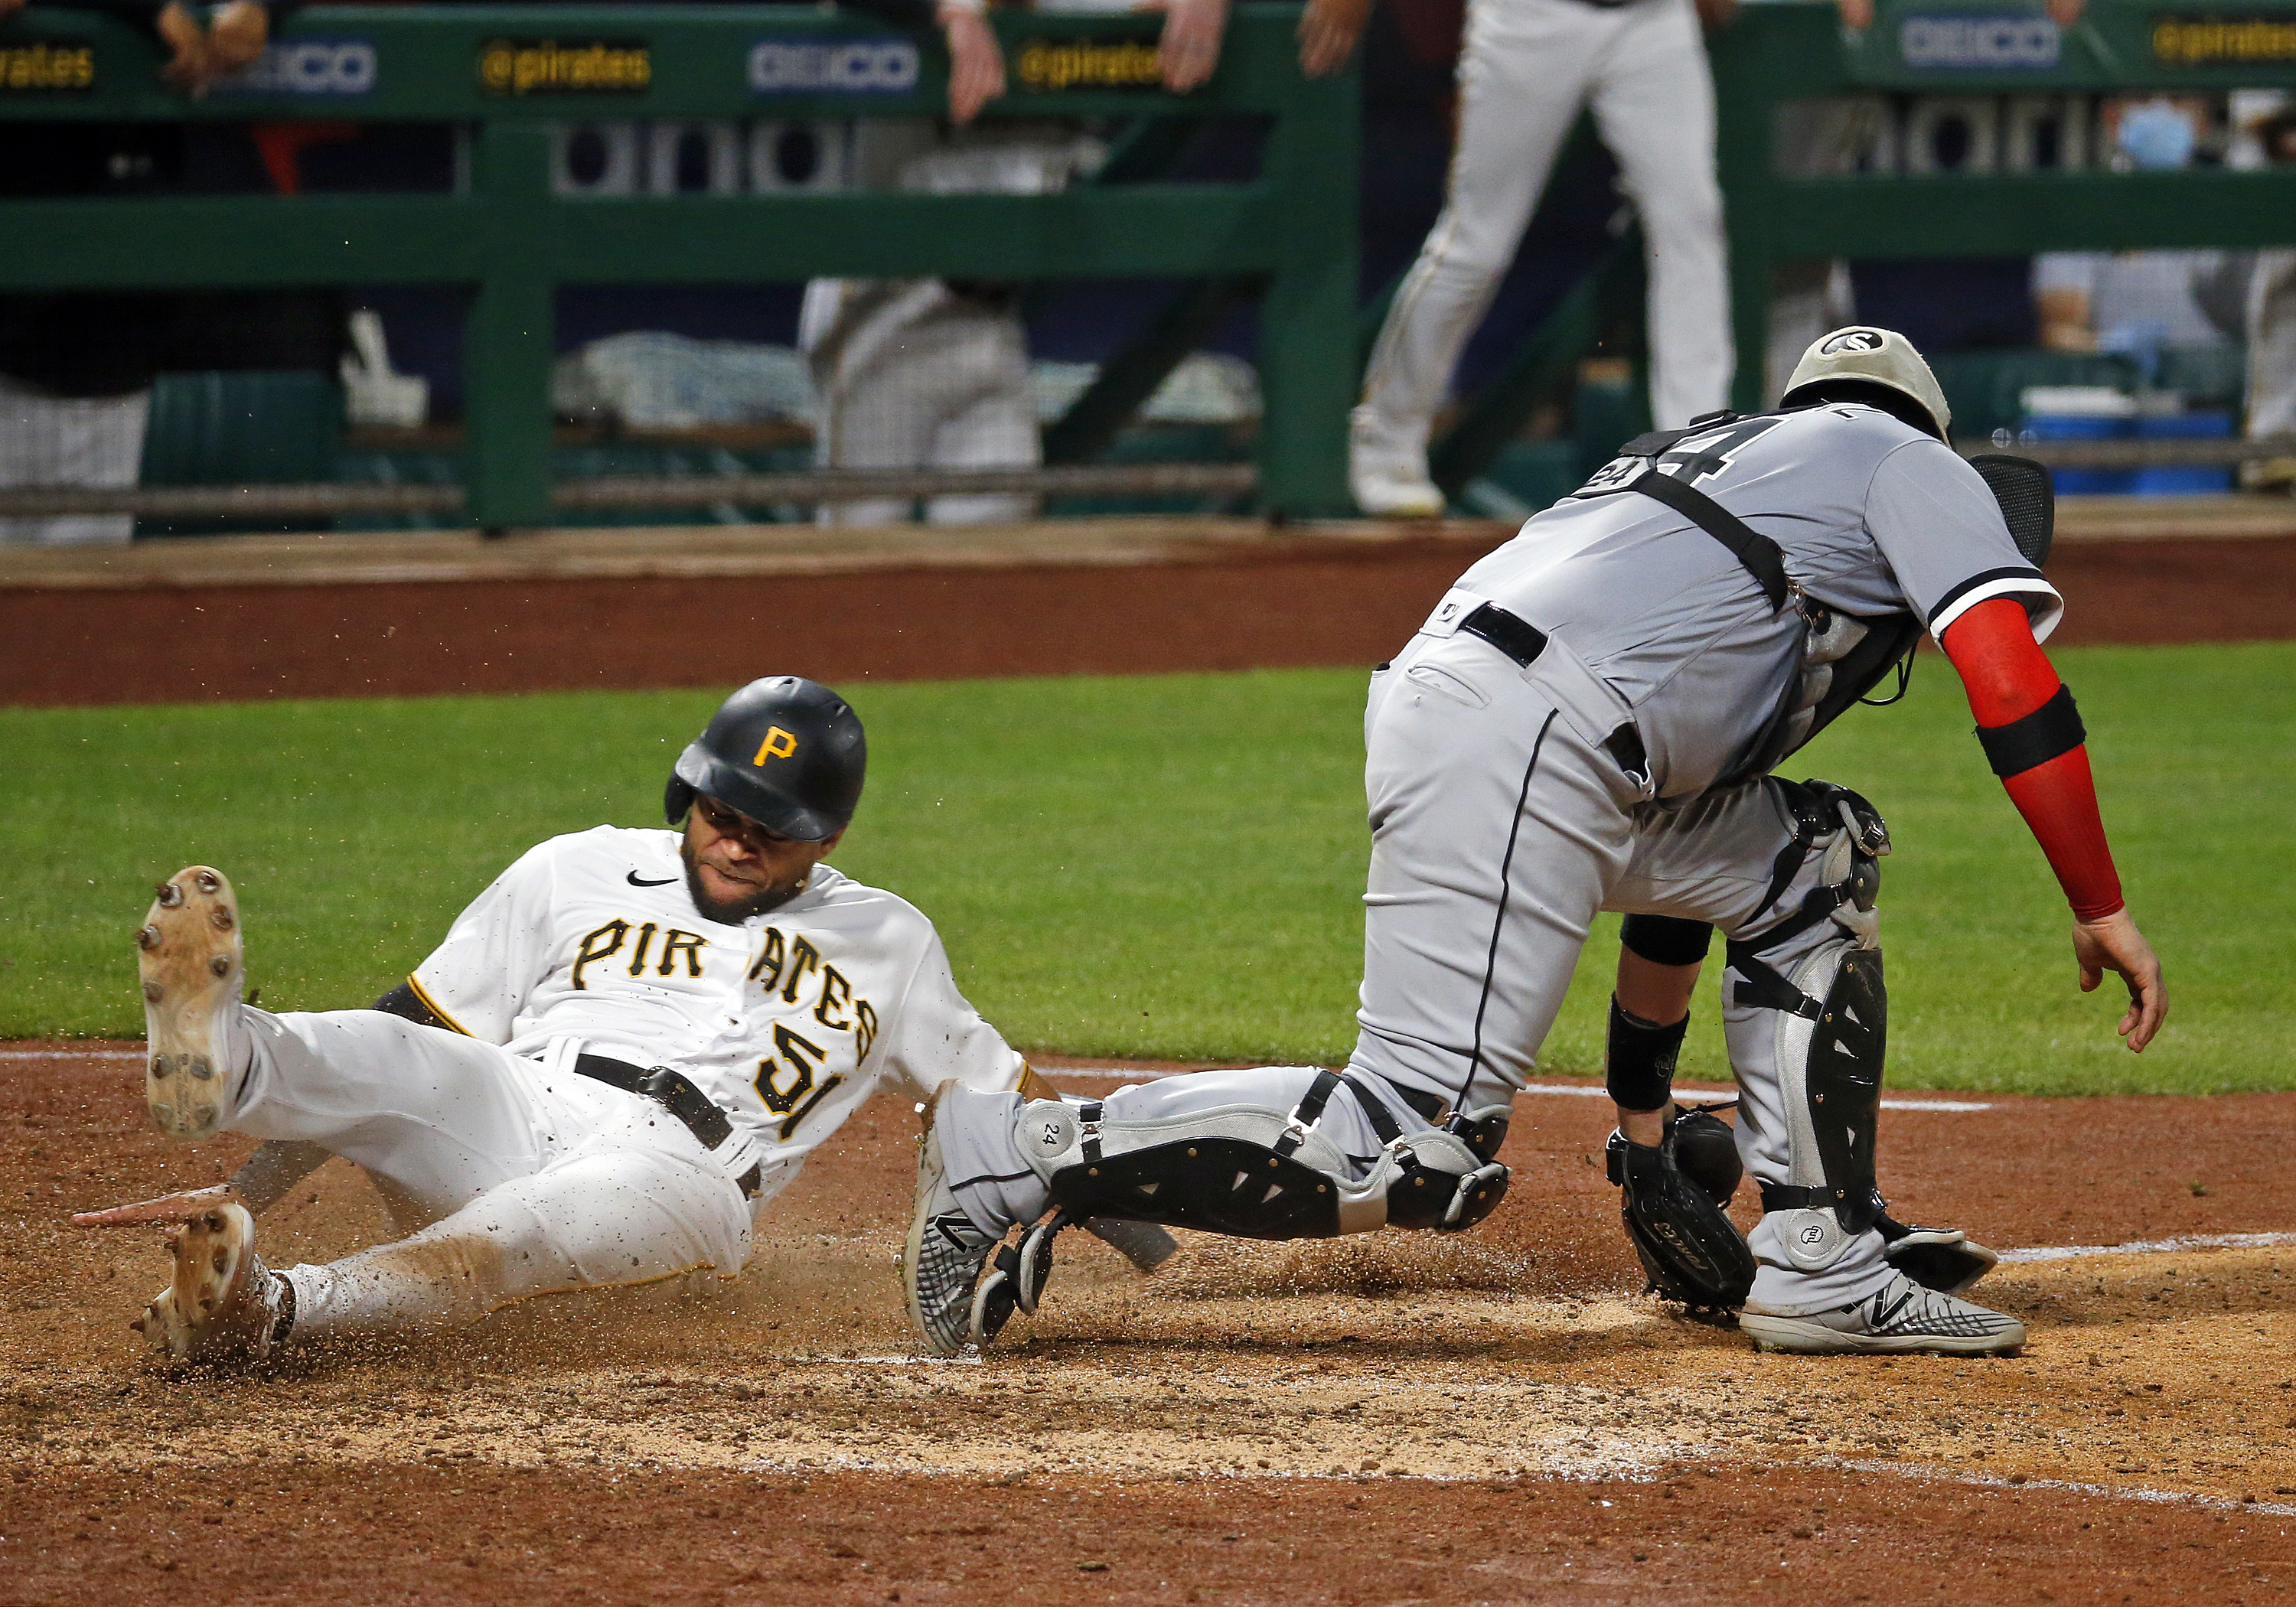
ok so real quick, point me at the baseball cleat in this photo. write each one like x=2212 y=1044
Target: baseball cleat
x=942 y=1260
x=1387 y=473
x=1032 y=1267
x=191 y=967
x=1900 y=1316
x=1944 y=1258
x=1395 y=491
x=223 y=1308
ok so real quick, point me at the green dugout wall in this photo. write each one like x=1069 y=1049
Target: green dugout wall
x=507 y=72
x=1776 y=56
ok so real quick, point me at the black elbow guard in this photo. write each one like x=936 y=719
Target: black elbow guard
x=2034 y=739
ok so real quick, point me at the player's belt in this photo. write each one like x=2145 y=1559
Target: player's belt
x=1519 y=639
x=673 y=1093
x=1523 y=642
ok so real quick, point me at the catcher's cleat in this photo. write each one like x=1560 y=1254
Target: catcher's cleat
x=192 y=967
x=942 y=1260
x=225 y=1308
x=1900 y=1316
x=1032 y=1267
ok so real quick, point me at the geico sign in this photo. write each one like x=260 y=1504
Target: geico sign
x=1979 y=42
x=807 y=66
x=334 y=67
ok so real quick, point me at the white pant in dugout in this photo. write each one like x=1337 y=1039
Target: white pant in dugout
x=1528 y=67
x=532 y=1181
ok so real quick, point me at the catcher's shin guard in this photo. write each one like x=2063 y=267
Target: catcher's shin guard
x=1828 y=1037
x=1254 y=1172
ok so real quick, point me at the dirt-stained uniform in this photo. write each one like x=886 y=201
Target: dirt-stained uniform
x=586 y=960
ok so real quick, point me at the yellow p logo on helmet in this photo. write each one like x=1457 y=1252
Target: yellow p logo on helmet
x=778 y=744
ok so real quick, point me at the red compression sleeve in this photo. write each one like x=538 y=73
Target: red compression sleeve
x=2007 y=678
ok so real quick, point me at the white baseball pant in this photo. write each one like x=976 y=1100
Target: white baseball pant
x=928 y=380
x=84 y=441
x=533 y=1180
x=2272 y=345
x=1528 y=67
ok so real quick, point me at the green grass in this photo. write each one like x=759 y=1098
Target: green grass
x=1163 y=866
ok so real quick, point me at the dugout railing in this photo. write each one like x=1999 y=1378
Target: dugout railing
x=1782 y=71
x=507 y=74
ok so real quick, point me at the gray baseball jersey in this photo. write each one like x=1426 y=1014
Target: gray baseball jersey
x=1872 y=516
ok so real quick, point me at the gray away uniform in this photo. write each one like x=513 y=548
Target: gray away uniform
x=1504 y=819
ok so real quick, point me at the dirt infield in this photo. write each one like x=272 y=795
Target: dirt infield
x=1495 y=1417
x=1230 y=605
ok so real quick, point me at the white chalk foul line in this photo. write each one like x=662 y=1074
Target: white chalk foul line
x=1581 y=1090
x=1586 y=1092
x=2150 y=1247
x=2118 y=1492
x=72 y=1055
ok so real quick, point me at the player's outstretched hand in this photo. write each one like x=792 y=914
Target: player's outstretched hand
x=2114 y=944
x=167 y=1208
x=976 y=62
x=1328 y=32
x=1190 y=49
x=1855 y=14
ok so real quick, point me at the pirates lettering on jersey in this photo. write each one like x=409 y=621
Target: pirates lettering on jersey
x=608 y=940
x=789 y=1082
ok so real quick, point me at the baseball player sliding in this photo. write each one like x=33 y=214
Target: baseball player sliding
x=1587 y=721
x=623 y=1049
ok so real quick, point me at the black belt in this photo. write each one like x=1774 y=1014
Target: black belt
x=674 y=1093
x=1432 y=1108
x=1523 y=642
x=1519 y=639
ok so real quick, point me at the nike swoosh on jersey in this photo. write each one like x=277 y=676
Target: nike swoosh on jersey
x=636 y=880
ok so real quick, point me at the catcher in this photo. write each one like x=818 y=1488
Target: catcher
x=625 y=1047
x=1589 y=721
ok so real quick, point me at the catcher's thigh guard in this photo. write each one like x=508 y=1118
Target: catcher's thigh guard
x=1255 y=1171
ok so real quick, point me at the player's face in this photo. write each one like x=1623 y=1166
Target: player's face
x=736 y=868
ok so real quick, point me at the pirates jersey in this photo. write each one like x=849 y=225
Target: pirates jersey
x=786 y=1020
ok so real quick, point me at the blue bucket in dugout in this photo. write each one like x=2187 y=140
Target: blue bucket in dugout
x=2195 y=480
x=2084 y=427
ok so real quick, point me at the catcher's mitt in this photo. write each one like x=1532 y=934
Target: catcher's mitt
x=1691 y=1252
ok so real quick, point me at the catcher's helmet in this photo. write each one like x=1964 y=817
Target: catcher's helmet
x=786 y=752
x=1878 y=367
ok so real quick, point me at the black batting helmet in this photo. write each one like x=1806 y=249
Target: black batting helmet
x=786 y=752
